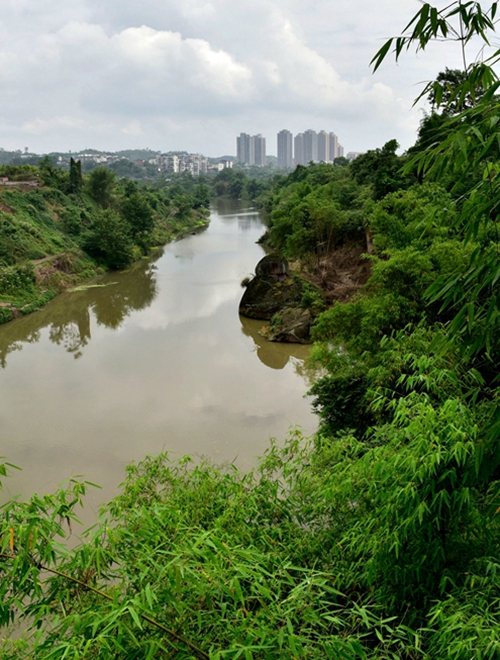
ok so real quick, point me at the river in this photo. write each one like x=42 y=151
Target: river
x=153 y=359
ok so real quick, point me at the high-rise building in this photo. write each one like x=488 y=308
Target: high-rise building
x=244 y=148
x=298 y=149
x=324 y=147
x=285 y=149
x=302 y=149
x=334 y=146
x=251 y=149
x=310 y=149
x=259 y=150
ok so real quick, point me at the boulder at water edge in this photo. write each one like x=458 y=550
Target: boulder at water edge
x=292 y=326
x=271 y=290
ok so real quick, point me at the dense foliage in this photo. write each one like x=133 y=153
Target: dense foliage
x=58 y=228
x=378 y=539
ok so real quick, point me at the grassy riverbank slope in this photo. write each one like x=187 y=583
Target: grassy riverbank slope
x=56 y=232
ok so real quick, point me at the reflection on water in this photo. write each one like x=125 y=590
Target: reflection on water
x=272 y=354
x=68 y=316
x=164 y=363
x=246 y=217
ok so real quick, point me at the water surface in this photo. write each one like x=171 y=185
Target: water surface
x=158 y=359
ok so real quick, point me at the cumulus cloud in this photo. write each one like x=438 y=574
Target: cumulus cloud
x=162 y=65
x=181 y=74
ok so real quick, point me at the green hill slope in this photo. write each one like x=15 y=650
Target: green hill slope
x=37 y=257
x=58 y=228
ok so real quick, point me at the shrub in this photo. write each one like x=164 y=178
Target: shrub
x=108 y=240
x=17 y=279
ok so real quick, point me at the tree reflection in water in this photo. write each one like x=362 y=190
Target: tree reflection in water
x=68 y=316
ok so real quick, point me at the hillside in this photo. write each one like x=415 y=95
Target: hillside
x=56 y=232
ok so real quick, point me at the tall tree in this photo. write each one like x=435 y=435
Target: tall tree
x=138 y=214
x=75 y=176
x=101 y=184
x=443 y=94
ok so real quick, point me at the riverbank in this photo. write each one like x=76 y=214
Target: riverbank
x=43 y=232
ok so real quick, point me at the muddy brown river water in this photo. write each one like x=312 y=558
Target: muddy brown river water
x=158 y=359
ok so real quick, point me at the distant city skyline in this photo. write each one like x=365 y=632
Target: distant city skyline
x=299 y=150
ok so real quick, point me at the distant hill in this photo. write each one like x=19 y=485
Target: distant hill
x=218 y=158
x=6 y=157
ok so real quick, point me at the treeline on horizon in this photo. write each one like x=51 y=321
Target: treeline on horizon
x=378 y=538
x=130 y=163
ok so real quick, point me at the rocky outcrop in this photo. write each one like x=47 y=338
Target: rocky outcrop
x=277 y=296
x=291 y=325
x=271 y=290
x=272 y=265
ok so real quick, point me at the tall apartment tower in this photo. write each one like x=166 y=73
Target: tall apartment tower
x=285 y=149
x=324 y=147
x=334 y=146
x=310 y=150
x=298 y=149
x=340 y=151
x=251 y=149
x=259 y=150
x=243 y=148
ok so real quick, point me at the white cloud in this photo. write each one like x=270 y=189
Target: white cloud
x=193 y=9
x=42 y=126
x=192 y=74
x=133 y=128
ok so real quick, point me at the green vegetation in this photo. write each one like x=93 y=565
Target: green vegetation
x=62 y=227
x=232 y=183
x=377 y=540
x=133 y=164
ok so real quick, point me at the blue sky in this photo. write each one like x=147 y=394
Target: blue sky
x=192 y=74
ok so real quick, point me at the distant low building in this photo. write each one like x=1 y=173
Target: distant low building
x=352 y=155
x=176 y=163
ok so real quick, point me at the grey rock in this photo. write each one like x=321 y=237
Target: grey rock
x=292 y=326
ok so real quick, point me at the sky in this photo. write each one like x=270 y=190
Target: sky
x=193 y=74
